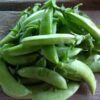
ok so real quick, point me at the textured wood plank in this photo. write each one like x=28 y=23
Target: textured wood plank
x=21 y=4
x=8 y=20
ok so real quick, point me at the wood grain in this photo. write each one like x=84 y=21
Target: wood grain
x=8 y=20
x=22 y=4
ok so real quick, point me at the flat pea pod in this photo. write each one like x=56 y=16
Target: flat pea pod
x=86 y=23
x=46 y=27
x=9 y=85
x=48 y=93
x=20 y=50
x=20 y=60
x=93 y=62
x=52 y=39
x=44 y=74
x=76 y=70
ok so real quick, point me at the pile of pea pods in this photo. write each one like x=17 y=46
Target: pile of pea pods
x=49 y=53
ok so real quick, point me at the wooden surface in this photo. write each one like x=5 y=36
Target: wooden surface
x=22 y=4
x=7 y=21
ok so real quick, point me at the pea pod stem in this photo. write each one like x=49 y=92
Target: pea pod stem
x=51 y=39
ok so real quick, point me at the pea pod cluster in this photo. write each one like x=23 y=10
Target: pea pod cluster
x=49 y=53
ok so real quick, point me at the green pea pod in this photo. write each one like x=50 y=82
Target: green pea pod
x=46 y=27
x=41 y=62
x=9 y=85
x=52 y=39
x=20 y=60
x=86 y=23
x=33 y=17
x=75 y=28
x=76 y=70
x=45 y=92
x=44 y=74
x=94 y=63
x=20 y=50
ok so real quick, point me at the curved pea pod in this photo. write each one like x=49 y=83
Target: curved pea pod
x=20 y=60
x=48 y=93
x=44 y=74
x=77 y=70
x=52 y=39
x=86 y=23
x=20 y=50
x=9 y=85
x=46 y=27
x=33 y=17
x=41 y=62
x=94 y=63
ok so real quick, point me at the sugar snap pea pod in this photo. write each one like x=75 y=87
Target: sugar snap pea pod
x=52 y=39
x=76 y=70
x=85 y=23
x=46 y=22
x=33 y=17
x=9 y=85
x=20 y=60
x=94 y=63
x=20 y=50
x=44 y=92
x=46 y=27
x=44 y=74
x=41 y=62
